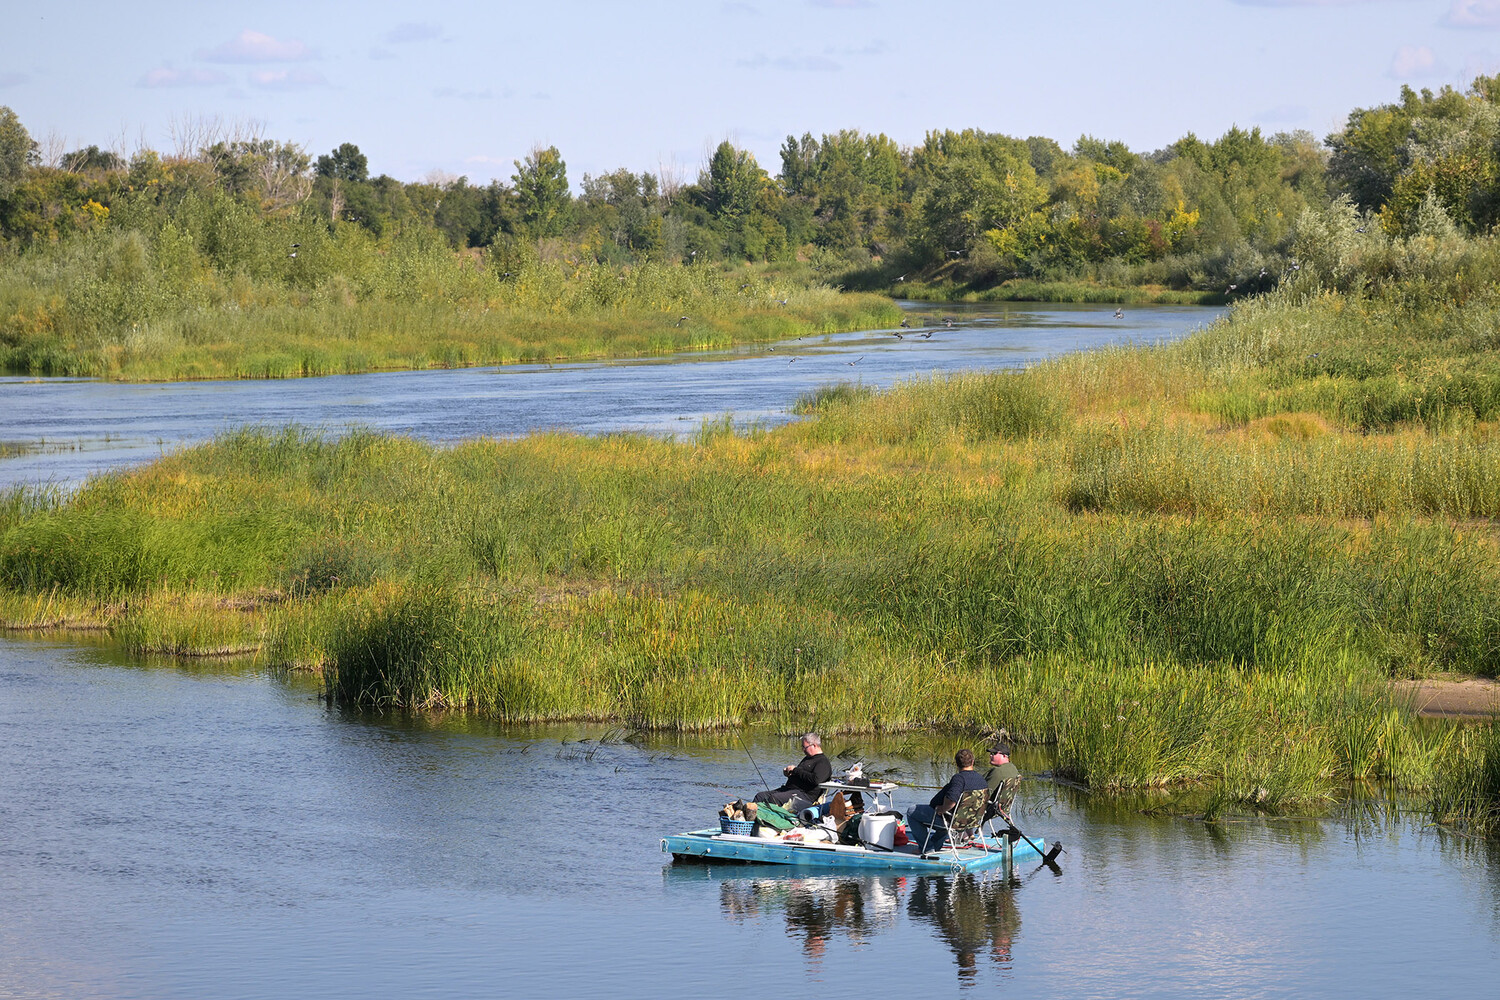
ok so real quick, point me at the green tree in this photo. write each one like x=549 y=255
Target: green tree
x=16 y=150
x=1240 y=182
x=541 y=184
x=733 y=182
x=970 y=182
x=1370 y=152
x=91 y=158
x=346 y=163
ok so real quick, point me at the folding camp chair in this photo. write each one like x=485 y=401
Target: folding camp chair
x=998 y=805
x=961 y=827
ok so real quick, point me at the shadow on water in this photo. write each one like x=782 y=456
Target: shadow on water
x=977 y=916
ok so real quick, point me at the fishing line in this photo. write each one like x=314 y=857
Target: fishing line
x=762 y=777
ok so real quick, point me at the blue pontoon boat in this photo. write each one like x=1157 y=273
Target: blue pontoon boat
x=804 y=849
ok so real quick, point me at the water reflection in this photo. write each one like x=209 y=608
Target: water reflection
x=975 y=915
x=231 y=836
x=816 y=910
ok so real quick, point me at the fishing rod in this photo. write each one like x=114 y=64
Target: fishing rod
x=762 y=777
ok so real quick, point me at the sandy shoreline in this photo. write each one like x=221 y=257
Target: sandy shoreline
x=1470 y=698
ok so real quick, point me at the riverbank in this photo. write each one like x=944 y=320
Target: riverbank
x=1138 y=555
x=1453 y=698
x=117 y=307
x=1027 y=290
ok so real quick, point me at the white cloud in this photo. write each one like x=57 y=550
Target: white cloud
x=287 y=79
x=1474 y=14
x=1304 y=3
x=792 y=64
x=166 y=76
x=413 y=31
x=1414 y=61
x=1283 y=114
x=874 y=48
x=1481 y=63
x=466 y=95
x=253 y=47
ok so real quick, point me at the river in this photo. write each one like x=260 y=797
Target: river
x=198 y=830
x=62 y=430
x=211 y=829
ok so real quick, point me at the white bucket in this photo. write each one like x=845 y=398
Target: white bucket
x=878 y=830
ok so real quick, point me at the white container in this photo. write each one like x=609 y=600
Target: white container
x=878 y=830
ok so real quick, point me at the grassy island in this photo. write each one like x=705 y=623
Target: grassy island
x=120 y=306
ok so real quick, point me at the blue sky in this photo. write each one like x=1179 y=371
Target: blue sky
x=465 y=88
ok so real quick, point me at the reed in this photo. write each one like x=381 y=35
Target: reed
x=1091 y=553
x=191 y=624
x=143 y=306
x=1467 y=792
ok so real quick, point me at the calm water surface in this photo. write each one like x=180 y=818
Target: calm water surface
x=213 y=831
x=74 y=427
x=173 y=832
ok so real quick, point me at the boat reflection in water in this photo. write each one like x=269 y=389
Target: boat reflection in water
x=975 y=915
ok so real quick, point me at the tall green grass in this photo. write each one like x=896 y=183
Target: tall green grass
x=200 y=303
x=1467 y=785
x=1087 y=553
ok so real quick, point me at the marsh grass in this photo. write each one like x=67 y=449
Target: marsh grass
x=1028 y=290
x=51 y=610
x=1086 y=554
x=189 y=625
x=143 y=306
x=1467 y=786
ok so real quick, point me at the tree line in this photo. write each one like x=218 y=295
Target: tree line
x=967 y=206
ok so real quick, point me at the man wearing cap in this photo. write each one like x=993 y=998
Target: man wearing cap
x=803 y=778
x=1003 y=779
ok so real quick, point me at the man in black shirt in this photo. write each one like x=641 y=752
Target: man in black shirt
x=924 y=822
x=803 y=778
